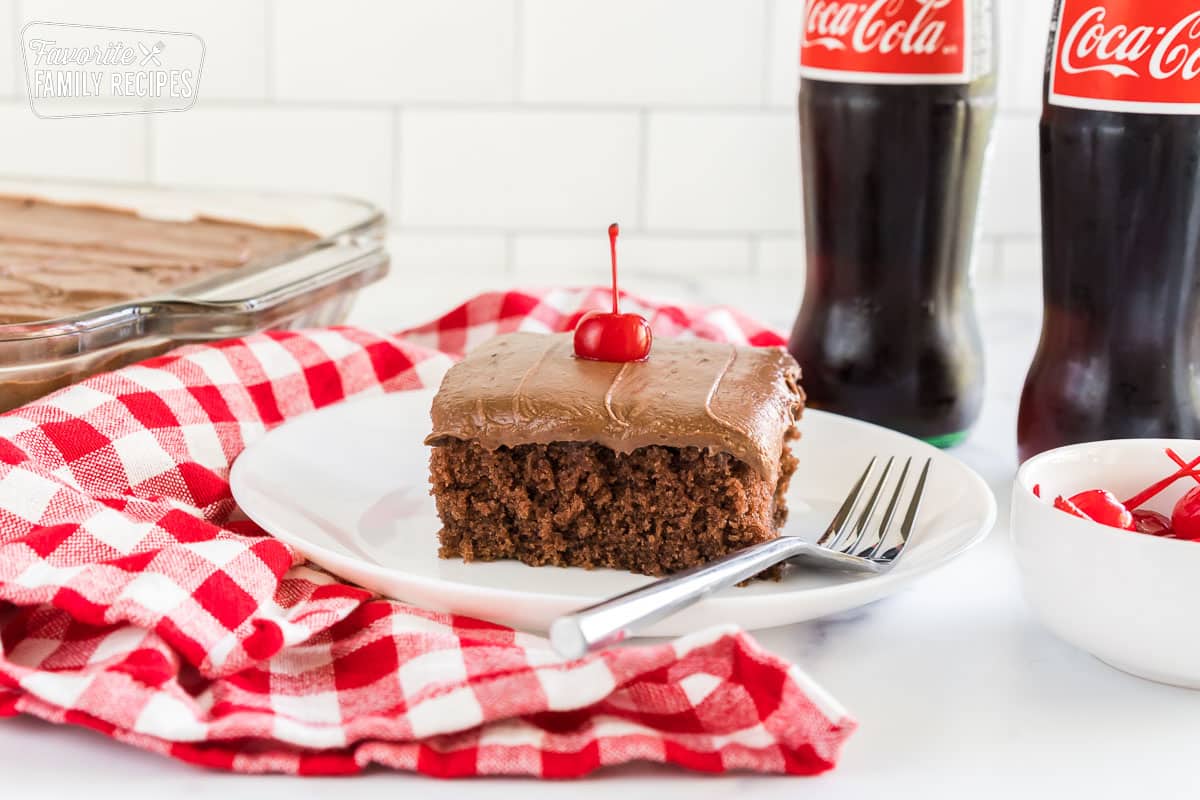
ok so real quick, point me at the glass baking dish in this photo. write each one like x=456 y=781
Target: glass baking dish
x=313 y=285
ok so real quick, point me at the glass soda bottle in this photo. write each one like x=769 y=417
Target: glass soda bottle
x=897 y=99
x=1120 y=158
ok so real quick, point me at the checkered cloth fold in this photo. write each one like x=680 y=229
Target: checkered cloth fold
x=136 y=600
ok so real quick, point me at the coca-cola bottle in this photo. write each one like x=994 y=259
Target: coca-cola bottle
x=1120 y=226
x=897 y=99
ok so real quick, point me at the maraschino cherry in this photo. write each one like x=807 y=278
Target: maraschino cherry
x=1152 y=523
x=603 y=336
x=1103 y=507
x=1185 y=519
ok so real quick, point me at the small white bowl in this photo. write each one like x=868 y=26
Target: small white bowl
x=1130 y=599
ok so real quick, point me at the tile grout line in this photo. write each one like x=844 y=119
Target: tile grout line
x=643 y=170
x=698 y=234
x=18 y=59
x=510 y=255
x=427 y=106
x=333 y=104
x=148 y=162
x=769 y=10
x=269 y=87
x=518 y=54
x=396 y=192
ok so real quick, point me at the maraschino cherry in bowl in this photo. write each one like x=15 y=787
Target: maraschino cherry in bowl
x=1128 y=597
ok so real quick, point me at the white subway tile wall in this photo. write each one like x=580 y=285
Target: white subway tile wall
x=98 y=148
x=8 y=50
x=542 y=258
x=393 y=52
x=783 y=43
x=503 y=135
x=723 y=171
x=516 y=169
x=296 y=148
x=643 y=52
x=234 y=33
x=1011 y=205
x=1024 y=29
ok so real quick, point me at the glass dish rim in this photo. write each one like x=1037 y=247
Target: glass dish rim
x=370 y=224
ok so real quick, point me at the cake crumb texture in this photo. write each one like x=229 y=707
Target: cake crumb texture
x=654 y=511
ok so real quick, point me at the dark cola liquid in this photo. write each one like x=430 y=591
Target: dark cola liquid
x=887 y=329
x=1121 y=266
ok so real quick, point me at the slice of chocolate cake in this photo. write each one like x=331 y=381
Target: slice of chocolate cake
x=650 y=466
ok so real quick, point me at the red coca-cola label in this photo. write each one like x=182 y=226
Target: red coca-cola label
x=1127 y=55
x=888 y=41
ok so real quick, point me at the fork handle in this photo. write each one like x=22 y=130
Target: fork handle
x=576 y=634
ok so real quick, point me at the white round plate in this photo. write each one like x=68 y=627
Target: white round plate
x=347 y=487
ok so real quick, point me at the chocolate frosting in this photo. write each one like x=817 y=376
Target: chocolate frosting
x=529 y=388
x=57 y=260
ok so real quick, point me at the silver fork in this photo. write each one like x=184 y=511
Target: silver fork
x=843 y=546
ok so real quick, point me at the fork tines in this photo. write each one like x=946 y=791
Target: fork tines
x=856 y=538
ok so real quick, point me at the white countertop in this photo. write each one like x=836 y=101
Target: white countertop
x=958 y=691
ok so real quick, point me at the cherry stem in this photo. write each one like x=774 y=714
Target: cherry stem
x=613 y=231
x=1150 y=492
x=1179 y=460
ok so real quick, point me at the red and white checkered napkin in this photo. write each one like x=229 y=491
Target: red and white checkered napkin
x=135 y=600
